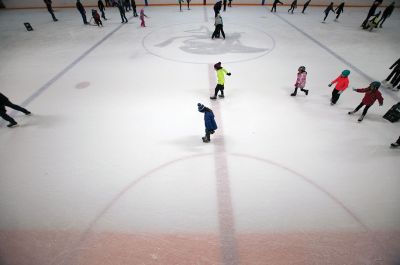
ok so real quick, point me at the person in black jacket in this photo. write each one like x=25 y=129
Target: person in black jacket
x=5 y=102
x=217 y=7
x=81 y=10
x=50 y=9
x=293 y=6
x=386 y=13
x=327 y=10
x=305 y=6
x=101 y=8
x=371 y=12
x=339 y=10
x=273 y=9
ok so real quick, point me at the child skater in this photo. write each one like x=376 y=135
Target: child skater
x=209 y=121
x=273 y=9
x=300 y=81
x=327 y=10
x=342 y=82
x=221 y=80
x=371 y=95
x=339 y=10
x=305 y=6
x=373 y=23
x=141 y=16
x=5 y=102
x=96 y=18
x=293 y=6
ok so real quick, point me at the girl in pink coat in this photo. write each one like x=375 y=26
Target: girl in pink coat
x=300 y=81
x=141 y=16
x=342 y=82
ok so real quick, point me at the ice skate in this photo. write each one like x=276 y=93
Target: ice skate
x=394 y=145
x=334 y=104
x=361 y=118
x=213 y=97
x=12 y=124
x=28 y=113
x=221 y=96
x=293 y=94
x=205 y=140
x=351 y=112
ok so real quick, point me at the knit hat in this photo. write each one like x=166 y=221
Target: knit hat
x=375 y=84
x=302 y=68
x=200 y=107
x=217 y=65
x=346 y=72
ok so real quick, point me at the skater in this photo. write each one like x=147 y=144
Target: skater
x=96 y=18
x=394 y=75
x=395 y=144
x=82 y=11
x=342 y=82
x=122 y=12
x=305 y=6
x=219 y=27
x=188 y=3
x=50 y=9
x=127 y=5
x=371 y=95
x=5 y=102
x=230 y=3
x=180 y=5
x=386 y=13
x=221 y=80
x=300 y=81
x=142 y=15
x=373 y=23
x=371 y=12
x=327 y=10
x=273 y=9
x=293 y=6
x=339 y=10
x=225 y=2
x=101 y=8
x=209 y=121
x=133 y=4
x=217 y=7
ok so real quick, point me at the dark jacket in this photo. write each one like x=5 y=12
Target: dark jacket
x=3 y=99
x=371 y=95
x=218 y=6
x=339 y=9
x=209 y=120
x=79 y=6
x=100 y=5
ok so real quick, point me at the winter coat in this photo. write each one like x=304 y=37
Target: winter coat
x=301 y=79
x=342 y=82
x=370 y=96
x=218 y=6
x=339 y=9
x=221 y=76
x=218 y=20
x=209 y=121
x=328 y=9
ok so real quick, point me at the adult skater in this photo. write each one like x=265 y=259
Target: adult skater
x=230 y=3
x=5 y=102
x=127 y=5
x=293 y=6
x=300 y=81
x=342 y=82
x=209 y=121
x=371 y=95
x=133 y=4
x=217 y=7
x=327 y=10
x=221 y=80
x=82 y=11
x=225 y=2
x=395 y=74
x=50 y=9
x=395 y=144
x=305 y=6
x=101 y=8
x=386 y=13
x=339 y=10
x=219 y=27
x=122 y=12
x=371 y=12
x=273 y=9
x=180 y=5
x=96 y=18
x=188 y=4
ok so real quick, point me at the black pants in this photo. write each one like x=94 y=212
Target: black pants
x=134 y=11
x=103 y=15
x=337 y=15
x=98 y=22
x=273 y=9
x=9 y=104
x=383 y=20
x=396 y=80
x=291 y=8
x=398 y=140
x=365 y=109
x=302 y=89
x=225 y=5
x=50 y=9
x=335 y=96
x=304 y=8
x=364 y=24
x=208 y=132
x=84 y=17
x=216 y=11
x=123 y=17
x=219 y=88
x=219 y=29
x=326 y=15
x=230 y=3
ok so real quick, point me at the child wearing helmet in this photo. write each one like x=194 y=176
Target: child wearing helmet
x=96 y=17
x=342 y=82
x=371 y=95
x=300 y=81
x=209 y=121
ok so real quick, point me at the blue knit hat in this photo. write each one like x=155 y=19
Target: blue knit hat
x=375 y=84
x=200 y=107
x=346 y=72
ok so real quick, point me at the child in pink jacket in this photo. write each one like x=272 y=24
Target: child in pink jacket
x=342 y=82
x=300 y=81
x=141 y=16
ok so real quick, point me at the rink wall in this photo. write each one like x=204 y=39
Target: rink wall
x=71 y=3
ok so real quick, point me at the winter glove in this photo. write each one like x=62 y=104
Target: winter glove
x=229 y=74
x=329 y=85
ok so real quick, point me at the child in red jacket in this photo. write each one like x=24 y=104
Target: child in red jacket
x=342 y=82
x=371 y=95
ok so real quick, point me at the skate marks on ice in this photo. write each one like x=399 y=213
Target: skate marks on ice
x=82 y=85
x=192 y=43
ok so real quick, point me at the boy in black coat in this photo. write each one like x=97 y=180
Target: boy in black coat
x=5 y=102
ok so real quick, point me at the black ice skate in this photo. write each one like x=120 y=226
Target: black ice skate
x=394 y=145
x=361 y=118
x=12 y=124
x=221 y=96
x=205 y=140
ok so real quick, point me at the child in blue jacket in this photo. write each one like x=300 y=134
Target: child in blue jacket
x=209 y=121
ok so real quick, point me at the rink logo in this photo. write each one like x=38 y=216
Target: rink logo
x=192 y=43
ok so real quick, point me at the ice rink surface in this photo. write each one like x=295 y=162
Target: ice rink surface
x=111 y=169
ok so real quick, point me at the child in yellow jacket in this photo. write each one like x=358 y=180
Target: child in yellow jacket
x=221 y=80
